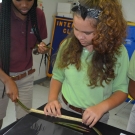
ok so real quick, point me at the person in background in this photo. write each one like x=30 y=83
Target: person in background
x=90 y=71
x=22 y=27
x=131 y=90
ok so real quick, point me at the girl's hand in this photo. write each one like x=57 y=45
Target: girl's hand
x=52 y=108
x=11 y=90
x=91 y=115
x=42 y=48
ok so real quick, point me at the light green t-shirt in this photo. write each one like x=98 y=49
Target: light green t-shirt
x=75 y=83
x=131 y=70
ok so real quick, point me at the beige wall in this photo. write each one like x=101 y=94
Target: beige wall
x=129 y=9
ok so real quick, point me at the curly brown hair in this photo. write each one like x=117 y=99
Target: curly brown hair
x=109 y=36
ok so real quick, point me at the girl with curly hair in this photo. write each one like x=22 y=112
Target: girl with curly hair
x=91 y=65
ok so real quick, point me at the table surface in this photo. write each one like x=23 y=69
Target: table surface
x=103 y=128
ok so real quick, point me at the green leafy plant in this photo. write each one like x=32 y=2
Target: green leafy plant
x=78 y=127
x=74 y=126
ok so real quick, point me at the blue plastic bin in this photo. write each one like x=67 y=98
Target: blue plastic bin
x=131 y=32
x=130 y=39
x=130 y=46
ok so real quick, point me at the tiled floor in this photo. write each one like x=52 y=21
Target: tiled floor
x=120 y=120
x=40 y=97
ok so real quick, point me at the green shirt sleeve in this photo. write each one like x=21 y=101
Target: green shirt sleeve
x=121 y=80
x=131 y=70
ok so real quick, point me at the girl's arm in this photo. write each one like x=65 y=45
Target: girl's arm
x=131 y=88
x=92 y=114
x=53 y=106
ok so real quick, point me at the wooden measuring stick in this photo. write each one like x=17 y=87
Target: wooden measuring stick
x=62 y=116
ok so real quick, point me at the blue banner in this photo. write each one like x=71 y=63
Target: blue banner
x=62 y=27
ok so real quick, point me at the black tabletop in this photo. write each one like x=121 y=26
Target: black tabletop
x=46 y=125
